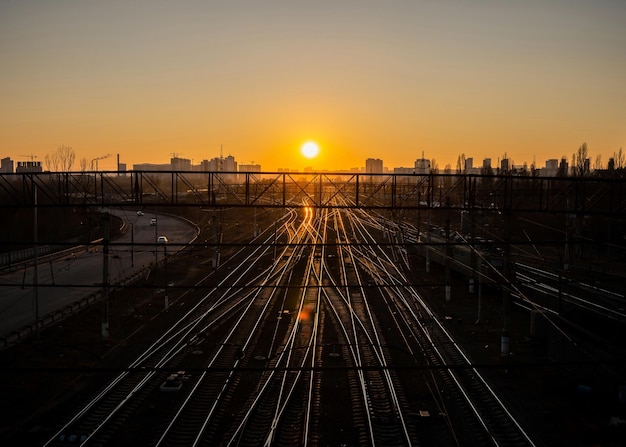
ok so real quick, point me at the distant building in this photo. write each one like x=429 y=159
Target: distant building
x=229 y=164
x=214 y=164
x=403 y=170
x=563 y=168
x=469 y=166
x=29 y=166
x=204 y=165
x=374 y=166
x=180 y=164
x=121 y=169
x=152 y=167
x=422 y=166
x=250 y=168
x=505 y=165
x=552 y=164
x=6 y=165
x=551 y=169
x=224 y=164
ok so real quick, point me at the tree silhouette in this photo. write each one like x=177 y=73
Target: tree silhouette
x=597 y=165
x=580 y=161
x=460 y=163
x=83 y=164
x=61 y=159
x=619 y=160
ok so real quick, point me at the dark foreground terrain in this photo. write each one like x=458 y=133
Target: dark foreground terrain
x=43 y=380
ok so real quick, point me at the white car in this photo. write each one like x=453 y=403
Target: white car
x=162 y=240
x=153 y=221
x=140 y=213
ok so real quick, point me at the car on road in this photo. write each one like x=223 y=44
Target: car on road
x=153 y=221
x=140 y=213
x=162 y=240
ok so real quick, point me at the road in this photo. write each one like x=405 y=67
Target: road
x=77 y=274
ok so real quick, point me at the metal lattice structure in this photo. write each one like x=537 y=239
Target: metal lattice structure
x=580 y=195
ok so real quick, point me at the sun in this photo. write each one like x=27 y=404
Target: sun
x=310 y=149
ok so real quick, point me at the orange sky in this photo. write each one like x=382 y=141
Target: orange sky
x=389 y=80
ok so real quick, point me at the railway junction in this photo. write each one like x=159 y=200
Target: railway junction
x=392 y=311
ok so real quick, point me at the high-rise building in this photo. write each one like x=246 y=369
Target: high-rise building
x=563 y=168
x=229 y=164
x=180 y=164
x=374 y=166
x=6 y=165
x=505 y=165
x=552 y=164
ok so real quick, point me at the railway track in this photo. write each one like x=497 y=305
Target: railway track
x=299 y=346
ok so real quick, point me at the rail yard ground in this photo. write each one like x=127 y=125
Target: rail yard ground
x=559 y=401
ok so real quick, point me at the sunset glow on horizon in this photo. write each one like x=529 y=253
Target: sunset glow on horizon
x=367 y=79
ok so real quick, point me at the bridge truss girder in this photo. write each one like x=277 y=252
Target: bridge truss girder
x=586 y=195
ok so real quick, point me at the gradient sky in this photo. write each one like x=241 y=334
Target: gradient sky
x=384 y=79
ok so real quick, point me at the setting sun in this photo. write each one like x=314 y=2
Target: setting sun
x=310 y=149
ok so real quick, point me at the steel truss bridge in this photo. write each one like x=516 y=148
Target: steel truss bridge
x=579 y=195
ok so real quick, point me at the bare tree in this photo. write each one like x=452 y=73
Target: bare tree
x=619 y=159
x=597 y=165
x=51 y=164
x=460 y=163
x=83 y=164
x=580 y=161
x=61 y=159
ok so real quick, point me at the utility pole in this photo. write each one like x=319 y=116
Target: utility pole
x=479 y=312
x=105 y=277
x=221 y=167
x=167 y=284
x=275 y=240
x=214 y=238
x=448 y=286
x=428 y=247
x=506 y=287
x=35 y=261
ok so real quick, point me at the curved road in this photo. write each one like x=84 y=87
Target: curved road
x=78 y=273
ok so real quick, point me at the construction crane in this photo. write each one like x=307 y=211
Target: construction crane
x=96 y=160
x=31 y=156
